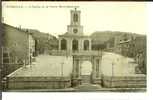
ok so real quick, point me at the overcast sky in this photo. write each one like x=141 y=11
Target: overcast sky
x=54 y=17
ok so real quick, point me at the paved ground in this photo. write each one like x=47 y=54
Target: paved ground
x=46 y=65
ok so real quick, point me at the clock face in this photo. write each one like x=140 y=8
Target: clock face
x=75 y=30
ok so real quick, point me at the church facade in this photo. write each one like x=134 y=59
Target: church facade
x=73 y=39
x=79 y=47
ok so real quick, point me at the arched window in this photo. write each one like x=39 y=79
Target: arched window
x=86 y=44
x=75 y=17
x=75 y=44
x=63 y=44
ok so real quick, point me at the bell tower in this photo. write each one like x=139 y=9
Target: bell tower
x=74 y=39
x=75 y=23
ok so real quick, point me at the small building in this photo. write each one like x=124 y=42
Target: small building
x=124 y=47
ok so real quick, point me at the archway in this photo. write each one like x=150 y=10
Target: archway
x=75 y=45
x=86 y=68
x=63 y=44
x=86 y=44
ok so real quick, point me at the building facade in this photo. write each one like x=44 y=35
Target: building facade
x=73 y=39
x=18 y=48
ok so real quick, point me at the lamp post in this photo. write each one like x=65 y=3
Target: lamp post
x=112 y=73
x=29 y=51
x=62 y=69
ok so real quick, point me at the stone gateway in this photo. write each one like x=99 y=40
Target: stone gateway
x=80 y=47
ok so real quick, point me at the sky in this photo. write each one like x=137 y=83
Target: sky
x=53 y=17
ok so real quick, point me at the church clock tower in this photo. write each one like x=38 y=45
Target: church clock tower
x=74 y=40
x=75 y=27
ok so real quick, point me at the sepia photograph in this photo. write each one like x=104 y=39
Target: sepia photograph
x=74 y=47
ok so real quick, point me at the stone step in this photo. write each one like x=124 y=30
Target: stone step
x=88 y=86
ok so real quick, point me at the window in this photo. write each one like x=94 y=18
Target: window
x=86 y=45
x=75 y=45
x=63 y=44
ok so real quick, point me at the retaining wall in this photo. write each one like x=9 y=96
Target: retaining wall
x=38 y=82
x=124 y=81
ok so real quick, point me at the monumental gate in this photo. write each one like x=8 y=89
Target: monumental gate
x=79 y=46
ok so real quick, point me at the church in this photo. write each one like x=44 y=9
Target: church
x=74 y=39
x=77 y=45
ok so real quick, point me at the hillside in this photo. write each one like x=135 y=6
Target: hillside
x=100 y=39
x=44 y=41
x=103 y=36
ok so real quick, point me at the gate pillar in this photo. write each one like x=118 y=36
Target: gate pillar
x=96 y=73
x=93 y=69
x=76 y=80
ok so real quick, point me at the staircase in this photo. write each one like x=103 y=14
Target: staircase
x=86 y=78
x=86 y=84
x=88 y=87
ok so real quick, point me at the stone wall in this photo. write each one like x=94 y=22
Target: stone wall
x=124 y=81
x=14 y=83
x=38 y=83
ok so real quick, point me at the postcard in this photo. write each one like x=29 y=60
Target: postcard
x=91 y=47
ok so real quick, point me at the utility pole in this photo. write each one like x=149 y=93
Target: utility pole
x=29 y=51
x=2 y=58
x=1 y=73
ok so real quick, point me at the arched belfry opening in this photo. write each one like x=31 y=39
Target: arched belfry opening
x=86 y=45
x=75 y=45
x=63 y=44
x=75 y=17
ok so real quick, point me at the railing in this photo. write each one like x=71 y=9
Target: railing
x=9 y=68
x=90 y=52
x=80 y=52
